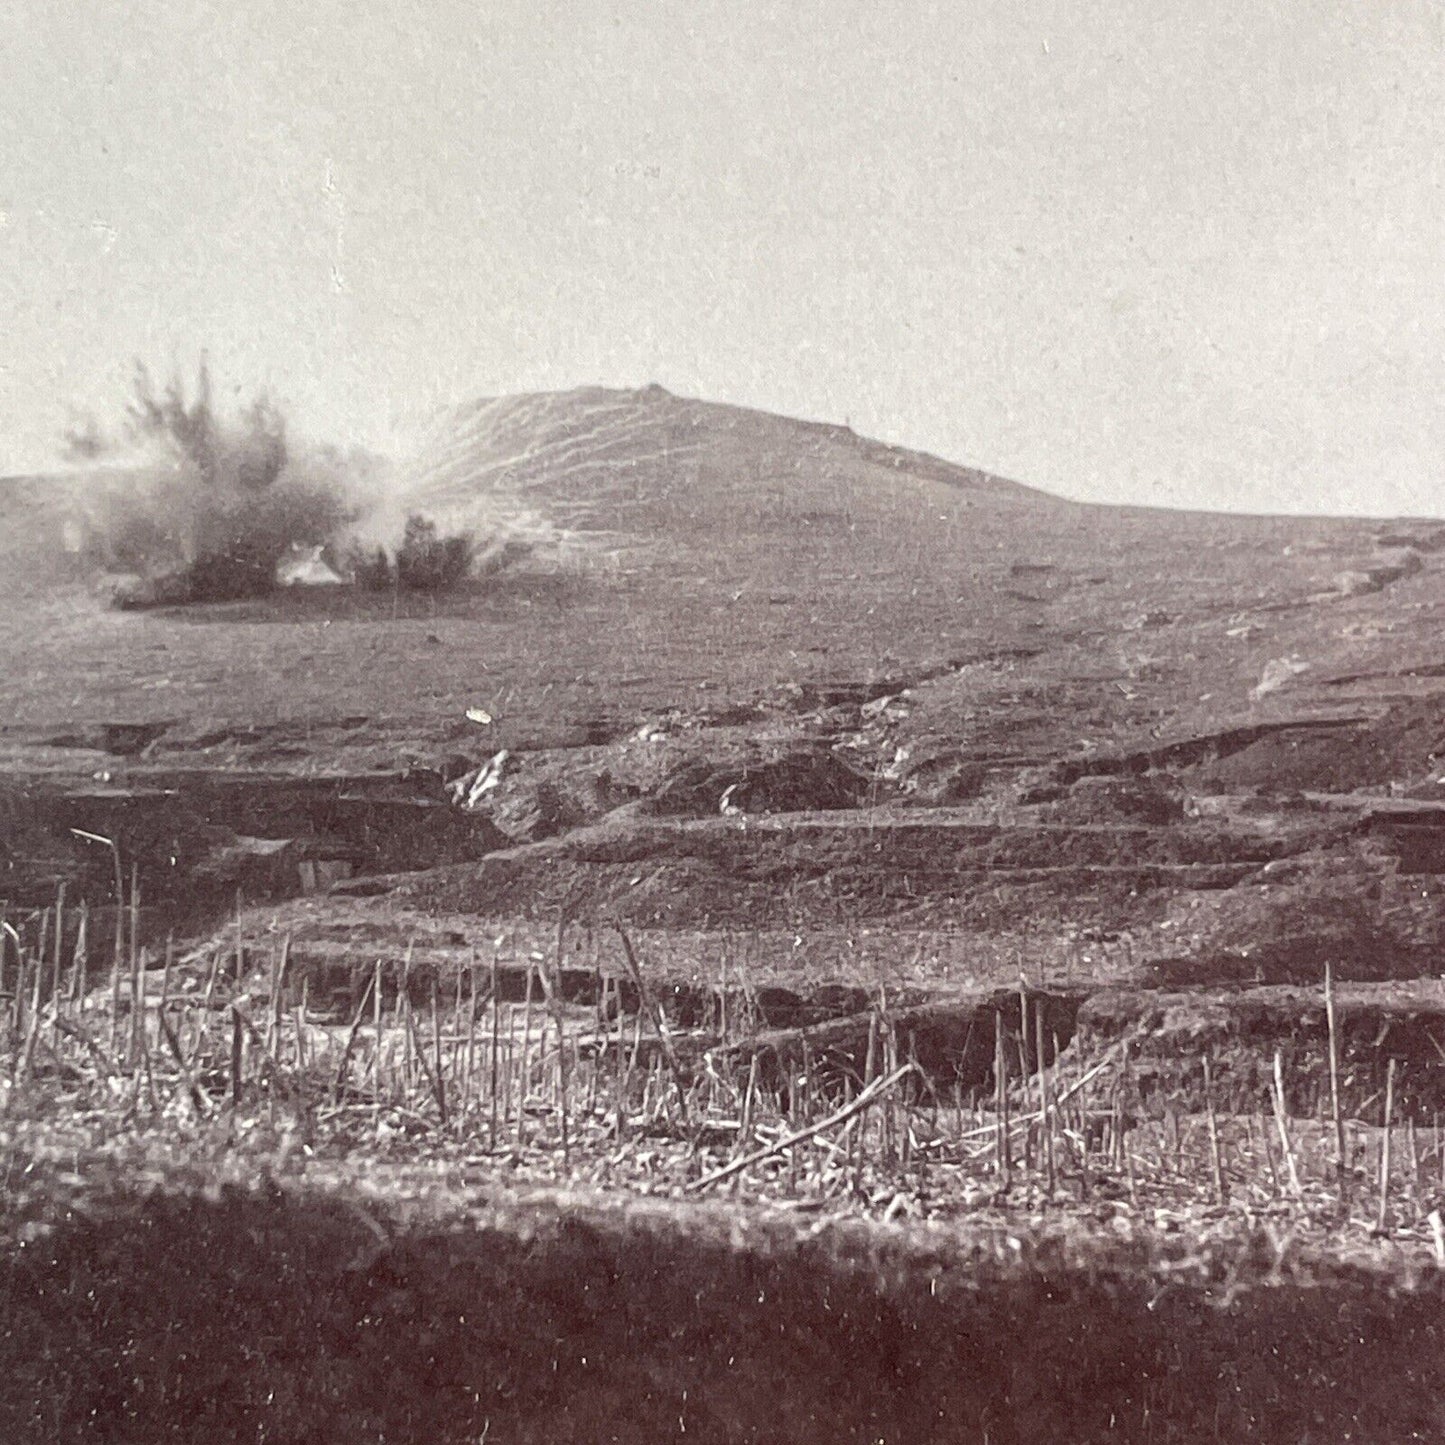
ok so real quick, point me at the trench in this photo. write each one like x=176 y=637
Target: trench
x=181 y=851
x=196 y=845
x=1193 y=751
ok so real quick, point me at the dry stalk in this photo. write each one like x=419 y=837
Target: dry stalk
x=279 y=963
x=351 y=1033
x=439 y=1077
x=1341 y=1175
x=750 y=1094
x=1414 y=1147
x=119 y=953
x=1221 y=1189
x=237 y=1059
x=137 y=998
x=206 y=1003
x=620 y=1079
x=1282 y=1121
x=876 y=1090
x=419 y=1053
x=1381 y=1217
x=27 y=1058
x=1045 y=1114
x=80 y=960
x=59 y=941
x=496 y=1042
x=1003 y=1161
x=552 y=989
x=114 y=989
x=658 y=1022
x=198 y=1099
x=524 y=1081
x=376 y=1036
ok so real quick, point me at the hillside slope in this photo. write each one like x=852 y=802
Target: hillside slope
x=644 y=462
x=709 y=548
x=799 y=551
x=827 y=756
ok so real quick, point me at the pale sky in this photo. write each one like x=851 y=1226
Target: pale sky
x=1134 y=250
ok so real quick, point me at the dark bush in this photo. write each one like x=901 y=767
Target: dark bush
x=428 y=562
x=371 y=569
x=238 y=540
x=246 y=569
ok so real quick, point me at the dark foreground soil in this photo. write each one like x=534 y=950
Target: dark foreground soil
x=210 y=1314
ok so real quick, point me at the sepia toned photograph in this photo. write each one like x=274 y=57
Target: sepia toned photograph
x=722 y=722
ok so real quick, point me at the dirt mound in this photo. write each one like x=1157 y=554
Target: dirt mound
x=334 y=976
x=196 y=841
x=1359 y=918
x=799 y=781
x=794 y=871
x=1403 y=746
x=1170 y=1034
x=952 y=1044
x=535 y=802
x=667 y=770
x=950 y=776
x=1158 y=801
x=230 y=1314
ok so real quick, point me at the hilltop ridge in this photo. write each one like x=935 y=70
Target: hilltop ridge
x=599 y=459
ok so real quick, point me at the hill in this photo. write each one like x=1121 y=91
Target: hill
x=699 y=548
x=647 y=462
x=791 y=552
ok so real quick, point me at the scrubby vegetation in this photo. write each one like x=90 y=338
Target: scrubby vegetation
x=429 y=562
x=371 y=569
x=425 y=561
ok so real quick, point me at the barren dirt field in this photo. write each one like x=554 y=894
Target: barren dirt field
x=831 y=946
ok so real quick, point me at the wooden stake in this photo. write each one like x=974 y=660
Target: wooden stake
x=439 y=1082
x=356 y=1018
x=237 y=1057
x=496 y=1042
x=553 y=990
x=80 y=963
x=1045 y=1117
x=659 y=1022
x=1003 y=1163
x=137 y=1010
